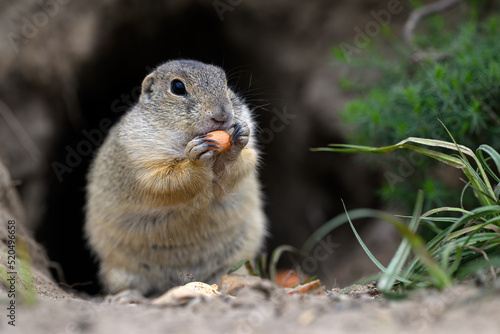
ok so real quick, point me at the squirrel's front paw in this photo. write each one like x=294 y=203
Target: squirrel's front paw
x=240 y=136
x=201 y=149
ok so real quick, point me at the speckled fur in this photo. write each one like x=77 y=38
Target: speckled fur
x=160 y=206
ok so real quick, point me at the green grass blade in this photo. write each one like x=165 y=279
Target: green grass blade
x=494 y=155
x=475 y=213
x=476 y=266
x=485 y=185
x=367 y=250
x=386 y=282
x=444 y=209
x=462 y=194
x=480 y=183
x=347 y=148
x=445 y=255
x=452 y=138
x=275 y=257
x=456 y=262
x=441 y=278
x=473 y=228
x=432 y=245
x=442 y=157
x=333 y=223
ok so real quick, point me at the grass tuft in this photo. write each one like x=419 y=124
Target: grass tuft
x=465 y=241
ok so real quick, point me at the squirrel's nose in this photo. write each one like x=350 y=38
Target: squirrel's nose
x=223 y=113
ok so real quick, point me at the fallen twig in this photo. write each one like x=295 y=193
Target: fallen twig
x=421 y=12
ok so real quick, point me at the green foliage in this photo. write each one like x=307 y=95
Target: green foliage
x=456 y=78
x=25 y=286
x=461 y=245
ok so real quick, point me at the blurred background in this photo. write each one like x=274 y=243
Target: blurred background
x=68 y=66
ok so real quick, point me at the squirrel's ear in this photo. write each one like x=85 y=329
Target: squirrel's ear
x=147 y=88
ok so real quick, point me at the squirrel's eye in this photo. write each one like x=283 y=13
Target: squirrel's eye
x=177 y=87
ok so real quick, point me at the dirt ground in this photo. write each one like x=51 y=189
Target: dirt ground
x=267 y=309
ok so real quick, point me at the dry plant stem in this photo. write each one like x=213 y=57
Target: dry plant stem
x=419 y=13
x=492 y=270
x=19 y=131
x=491 y=113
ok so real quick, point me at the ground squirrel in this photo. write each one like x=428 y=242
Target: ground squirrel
x=162 y=203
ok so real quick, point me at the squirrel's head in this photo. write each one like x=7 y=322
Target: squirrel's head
x=189 y=96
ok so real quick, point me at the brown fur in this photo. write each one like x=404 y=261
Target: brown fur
x=160 y=204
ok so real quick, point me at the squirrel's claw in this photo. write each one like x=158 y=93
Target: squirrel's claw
x=236 y=131
x=240 y=136
x=211 y=141
x=201 y=149
x=204 y=136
